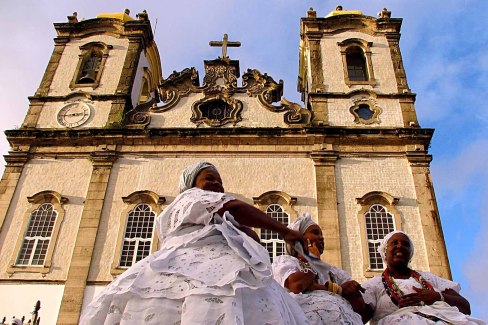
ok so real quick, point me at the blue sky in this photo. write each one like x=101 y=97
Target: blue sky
x=445 y=51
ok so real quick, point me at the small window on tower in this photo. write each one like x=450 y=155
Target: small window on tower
x=356 y=64
x=91 y=61
x=366 y=111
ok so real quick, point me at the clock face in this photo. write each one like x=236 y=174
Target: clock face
x=74 y=114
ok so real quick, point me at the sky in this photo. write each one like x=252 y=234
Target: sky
x=444 y=47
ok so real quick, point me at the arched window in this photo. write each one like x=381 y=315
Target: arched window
x=138 y=235
x=377 y=217
x=35 y=246
x=38 y=236
x=90 y=65
x=379 y=223
x=356 y=64
x=270 y=239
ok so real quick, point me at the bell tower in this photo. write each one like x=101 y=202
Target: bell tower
x=375 y=160
x=99 y=69
x=351 y=72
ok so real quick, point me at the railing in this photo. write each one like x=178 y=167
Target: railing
x=35 y=319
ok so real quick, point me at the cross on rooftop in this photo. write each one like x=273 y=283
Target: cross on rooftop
x=224 y=44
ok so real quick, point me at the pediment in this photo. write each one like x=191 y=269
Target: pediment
x=216 y=102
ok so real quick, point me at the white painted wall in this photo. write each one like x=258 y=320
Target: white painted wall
x=244 y=178
x=136 y=88
x=70 y=178
x=19 y=299
x=359 y=176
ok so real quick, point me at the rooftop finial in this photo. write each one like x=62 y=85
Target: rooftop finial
x=127 y=11
x=385 y=13
x=311 y=13
x=224 y=44
x=73 y=18
x=339 y=8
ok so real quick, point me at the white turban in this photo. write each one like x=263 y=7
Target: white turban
x=302 y=223
x=187 y=178
x=382 y=247
x=16 y=321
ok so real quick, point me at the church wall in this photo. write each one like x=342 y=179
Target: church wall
x=333 y=72
x=40 y=175
x=136 y=88
x=19 y=301
x=340 y=114
x=359 y=176
x=49 y=113
x=243 y=177
x=111 y=71
x=253 y=114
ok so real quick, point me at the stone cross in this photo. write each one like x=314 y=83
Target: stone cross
x=224 y=44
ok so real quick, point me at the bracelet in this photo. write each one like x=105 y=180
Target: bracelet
x=442 y=296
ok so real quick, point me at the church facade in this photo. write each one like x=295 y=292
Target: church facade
x=106 y=137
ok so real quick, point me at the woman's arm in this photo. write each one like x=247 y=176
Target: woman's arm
x=250 y=216
x=450 y=296
x=299 y=282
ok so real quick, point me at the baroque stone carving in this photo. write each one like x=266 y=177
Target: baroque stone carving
x=216 y=111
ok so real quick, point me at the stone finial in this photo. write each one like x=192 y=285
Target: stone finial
x=385 y=13
x=142 y=15
x=73 y=19
x=339 y=8
x=127 y=12
x=311 y=13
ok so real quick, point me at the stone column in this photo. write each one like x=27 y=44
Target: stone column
x=328 y=215
x=429 y=214
x=85 y=238
x=15 y=164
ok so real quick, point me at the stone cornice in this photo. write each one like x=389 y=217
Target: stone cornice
x=410 y=96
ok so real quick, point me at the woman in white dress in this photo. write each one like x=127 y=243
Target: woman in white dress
x=323 y=291
x=404 y=296
x=207 y=271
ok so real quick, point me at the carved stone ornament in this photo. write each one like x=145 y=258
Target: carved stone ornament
x=217 y=107
x=365 y=111
x=216 y=111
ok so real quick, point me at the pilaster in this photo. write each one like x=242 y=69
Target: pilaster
x=396 y=56
x=328 y=215
x=15 y=164
x=429 y=214
x=85 y=238
x=316 y=69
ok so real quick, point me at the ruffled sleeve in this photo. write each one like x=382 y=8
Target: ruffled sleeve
x=283 y=267
x=194 y=206
x=440 y=284
x=372 y=288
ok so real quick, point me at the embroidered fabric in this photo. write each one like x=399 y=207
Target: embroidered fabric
x=206 y=272
x=386 y=312
x=320 y=306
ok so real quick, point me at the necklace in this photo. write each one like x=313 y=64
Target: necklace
x=306 y=267
x=394 y=291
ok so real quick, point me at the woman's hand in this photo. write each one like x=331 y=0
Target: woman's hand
x=292 y=236
x=419 y=298
x=351 y=289
x=313 y=249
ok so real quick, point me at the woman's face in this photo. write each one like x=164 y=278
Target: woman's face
x=398 y=250
x=313 y=234
x=208 y=179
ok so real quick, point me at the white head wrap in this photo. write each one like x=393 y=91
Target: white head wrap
x=187 y=178
x=302 y=223
x=16 y=321
x=384 y=244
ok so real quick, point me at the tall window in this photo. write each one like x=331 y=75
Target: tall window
x=379 y=223
x=138 y=235
x=377 y=217
x=356 y=64
x=38 y=236
x=41 y=224
x=270 y=239
x=91 y=62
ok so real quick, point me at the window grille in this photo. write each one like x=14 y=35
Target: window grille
x=379 y=222
x=38 y=236
x=270 y=239
x=138 y=235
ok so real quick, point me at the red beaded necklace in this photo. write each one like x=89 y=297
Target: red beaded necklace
x=394 y=291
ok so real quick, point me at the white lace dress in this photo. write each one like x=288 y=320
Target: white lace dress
x=386 y=312
x=320 y=306
x=206 y=272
